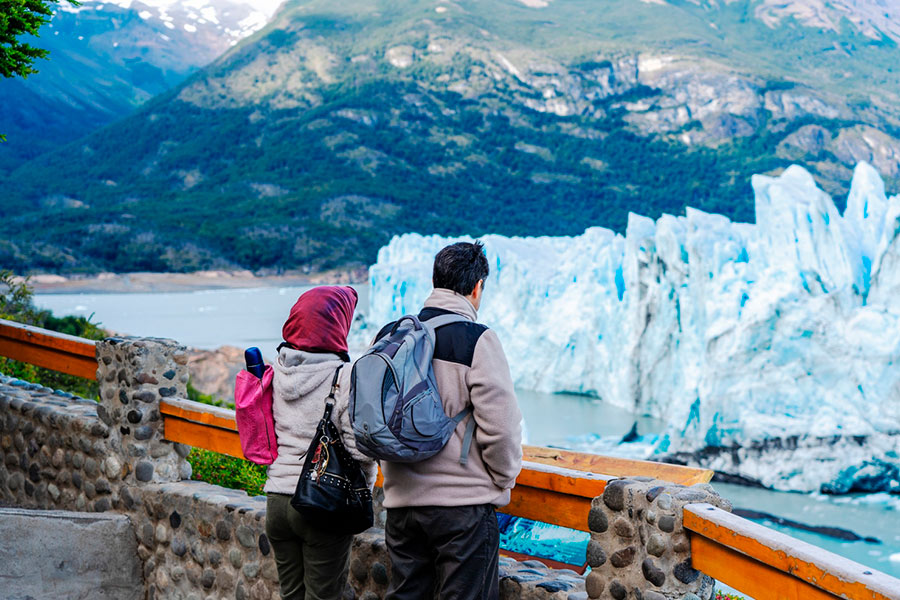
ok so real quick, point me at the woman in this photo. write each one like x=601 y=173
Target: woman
x=311 y=562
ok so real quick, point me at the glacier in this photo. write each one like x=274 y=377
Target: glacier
x=770 y=350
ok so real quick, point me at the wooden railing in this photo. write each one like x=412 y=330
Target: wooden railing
x=555 y=486
x=48 y=349
x=767 y=564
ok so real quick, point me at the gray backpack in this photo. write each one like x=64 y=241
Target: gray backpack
x=395 y=407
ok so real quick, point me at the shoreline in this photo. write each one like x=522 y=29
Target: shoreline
x=124 y=283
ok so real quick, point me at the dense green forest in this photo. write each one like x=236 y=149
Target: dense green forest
x=305 y=148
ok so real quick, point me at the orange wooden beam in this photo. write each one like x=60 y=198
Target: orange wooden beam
x=196 y=412
x=617 y=467
x=200 y=435
x=547 y=506
x=48 y=349
x=563 y=481
x=555 y=495
x=769 y=565
x=749 y=576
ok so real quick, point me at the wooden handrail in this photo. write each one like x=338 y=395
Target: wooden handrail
x=769 y=565
x=49 y=349
x=555 y=495
x=547 y=489
x=618 y=467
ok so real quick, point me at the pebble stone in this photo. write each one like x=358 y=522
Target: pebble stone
x=623 y=528
x=246 y=536
x=143 y=471
x=236 y=557
x=623 y=558
x=251 y=570
x=652 y=573
x=597 y=520
x=358 y=570
x=617 y=590
x=208 y=578
x=614 y=495
x=594 y=584
x=379 y=573
x=214 y=557
x=264 y=546
x=223 y=532
x=596 y=556
x=656 y=545
x=685 y=573
x=667 y=523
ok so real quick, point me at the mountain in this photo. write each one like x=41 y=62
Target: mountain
x=339 y=125
x=106 y=58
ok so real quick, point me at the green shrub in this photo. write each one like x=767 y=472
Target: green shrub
x=227 y=471
x=198 y=396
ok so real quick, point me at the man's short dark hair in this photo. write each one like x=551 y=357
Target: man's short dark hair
x=459 y=266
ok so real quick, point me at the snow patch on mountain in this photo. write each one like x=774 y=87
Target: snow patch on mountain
x=770 y=349
x=236 y=19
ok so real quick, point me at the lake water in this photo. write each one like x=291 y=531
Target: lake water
x=253 y=317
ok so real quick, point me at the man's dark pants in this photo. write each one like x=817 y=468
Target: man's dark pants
x=450 y=553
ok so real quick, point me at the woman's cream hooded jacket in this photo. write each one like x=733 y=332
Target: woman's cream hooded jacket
x=301 y=383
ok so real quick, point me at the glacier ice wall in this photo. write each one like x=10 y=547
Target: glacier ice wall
x=772 y=350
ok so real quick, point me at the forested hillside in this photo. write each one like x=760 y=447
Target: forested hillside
x=341 y=124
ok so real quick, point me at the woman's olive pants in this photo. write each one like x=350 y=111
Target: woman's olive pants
x=312 y=563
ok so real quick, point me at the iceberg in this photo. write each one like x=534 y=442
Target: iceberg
x=771 y=350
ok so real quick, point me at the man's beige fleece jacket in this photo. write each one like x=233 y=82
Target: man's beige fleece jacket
x=495 y=457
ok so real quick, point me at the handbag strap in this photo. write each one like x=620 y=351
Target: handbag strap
x=329 y=400
x=329 y=428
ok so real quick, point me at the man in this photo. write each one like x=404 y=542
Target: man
x=441 y=529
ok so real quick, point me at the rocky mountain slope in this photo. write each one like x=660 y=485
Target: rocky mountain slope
x=106 y=58
x=339 y=125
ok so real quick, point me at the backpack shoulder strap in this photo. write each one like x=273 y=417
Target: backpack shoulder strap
x=439 y=321
x=467 y=437
x=412 y=318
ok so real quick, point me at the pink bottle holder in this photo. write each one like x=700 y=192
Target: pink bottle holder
x=253 y=413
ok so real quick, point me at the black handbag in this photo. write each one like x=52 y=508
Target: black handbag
x=332 y=491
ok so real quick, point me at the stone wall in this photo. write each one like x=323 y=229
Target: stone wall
x=55 y=451
x=639 y=548
x=195 y=541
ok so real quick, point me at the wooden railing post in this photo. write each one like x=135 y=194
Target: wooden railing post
x=135 y=374
x=639 y=547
